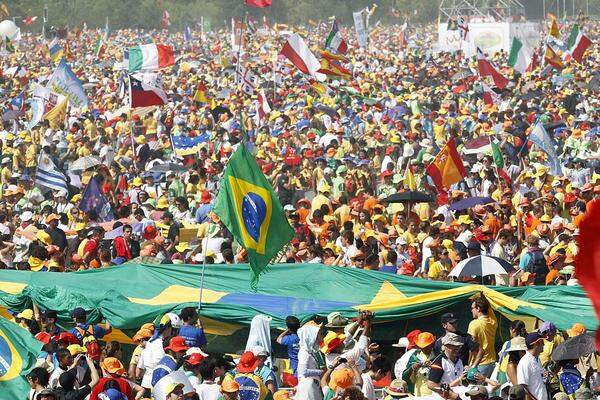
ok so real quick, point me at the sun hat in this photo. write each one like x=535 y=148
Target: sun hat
x=112 y=365
x=576 y=330
x=517 y=344
x=452 y=339
x=177 y=344
x=341 y=378
x=75 y=349
x=332 y=341
x=171 y=387
x=477 y=390
x=424 y=339
x=26 y=314
x=336 y=320
x=397 y=388
x=403 y=343
x=248 y=362
x=229 y=386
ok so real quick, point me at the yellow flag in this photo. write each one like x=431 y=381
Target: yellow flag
x=56 y=116
x=200 y=96
x=213 y=104
x=554 y=28
x=409 y=178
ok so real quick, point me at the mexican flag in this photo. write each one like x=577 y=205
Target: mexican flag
x=335 y=41
x=150 y=57
x=100 y=48
x=578 y=43
x=520 y=56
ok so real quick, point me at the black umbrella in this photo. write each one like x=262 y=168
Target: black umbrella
x=572 y=349
x=409 y=196
x=166 y=167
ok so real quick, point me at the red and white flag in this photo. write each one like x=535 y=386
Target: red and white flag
x=463 y=28
x=247 y=80
x=489 y=96
x=487 y=69
x=143 y=95
x=29 y=20
x=262 y=108
x=165 y=22
x=296 y=50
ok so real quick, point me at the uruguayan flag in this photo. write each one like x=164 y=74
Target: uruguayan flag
x=48 y=175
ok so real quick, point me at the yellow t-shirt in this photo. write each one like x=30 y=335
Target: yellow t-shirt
x=435 y=270
x=549 y=347
x=483 y=330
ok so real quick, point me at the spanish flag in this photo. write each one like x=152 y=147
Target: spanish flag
x=200 y=94
x=553 y=58
x=447 y=168
x=332 y=68
x=409 y=178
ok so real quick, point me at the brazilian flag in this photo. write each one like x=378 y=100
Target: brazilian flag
x=250 y=209
x=18 y=354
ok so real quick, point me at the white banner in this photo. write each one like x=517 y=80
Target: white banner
x=359 y=25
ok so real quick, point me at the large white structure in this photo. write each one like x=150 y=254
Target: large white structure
x=488 y=36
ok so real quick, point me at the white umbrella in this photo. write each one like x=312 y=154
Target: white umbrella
x=84 y=163
x=481 y=266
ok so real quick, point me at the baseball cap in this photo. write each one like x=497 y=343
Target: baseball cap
x=547 y=328
x=448 y=317
x=452 y=339
x=532 y=338
x=477 y=390
x=111 y=394
x=112 y=365
x=177 y=344
x=194 y=358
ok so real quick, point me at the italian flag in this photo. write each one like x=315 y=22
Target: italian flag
x=578 y=43
x=520 y=56
x=335 y=41
x=150 y=57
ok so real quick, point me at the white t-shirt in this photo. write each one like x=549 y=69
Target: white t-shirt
x=208 y=391
x=150 y=356
x=368 y=389
x=531 y=373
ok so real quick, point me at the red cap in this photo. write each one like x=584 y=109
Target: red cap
x=150 y=232
x=177 y=344
x=386 y=174
x=194 y=359
x=205 y=197
x=66 y=337
x=248 y=362
x=43 y=337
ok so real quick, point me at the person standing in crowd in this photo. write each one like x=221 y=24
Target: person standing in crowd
x=483 y=330
x=530 y=372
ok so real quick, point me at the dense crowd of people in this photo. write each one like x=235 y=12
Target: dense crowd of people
x=334 y=153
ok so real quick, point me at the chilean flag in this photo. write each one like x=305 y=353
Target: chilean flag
x=144 y=95
x=486 y=68
x=259 y=3
x=296 y=50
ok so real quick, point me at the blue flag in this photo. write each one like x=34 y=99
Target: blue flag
x=93 y=200
x=542 y=139
x=65 y=82
x=186 y=145
x=187 y=34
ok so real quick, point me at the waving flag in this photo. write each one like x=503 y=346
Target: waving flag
x=334 y=69
x=150 y=57
x=65 y=82
x=520 y=56
x=48 y=175
x=165 y=21
x=542 y=139
x=259 y=3
x=187 y=34
x=55 y=50
x=487 y=69
x=296 y=50
x=335 y=41
x=554 y=31
x=94 y=201
x=251 y=211
x=489 y=96
x=447 y=168
x=552 y=58
x=247 y=80
x=18 y=355
x=262 y=108
x=144 y=95
x=29 y=20
x=16 y=107
x=463 y=28
x=187 y=145
x=578 y=43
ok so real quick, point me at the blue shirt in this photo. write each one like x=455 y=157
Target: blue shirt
x=202 y=213
x=389 y=269
x=194 y=336
x=292 y=342
x=99 y=332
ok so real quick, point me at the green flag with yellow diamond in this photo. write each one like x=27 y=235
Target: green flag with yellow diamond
x=250 y=209
x=18 y=354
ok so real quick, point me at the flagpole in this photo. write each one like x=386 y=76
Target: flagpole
x=204 y=248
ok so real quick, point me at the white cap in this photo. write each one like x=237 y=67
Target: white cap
x=26 y=216
x=403 y=342
x=195 y=350
x=175 y=320
x=259 y=351
x=400 y=241
x=289 y=207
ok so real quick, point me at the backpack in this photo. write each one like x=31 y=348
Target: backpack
x=538 y=266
